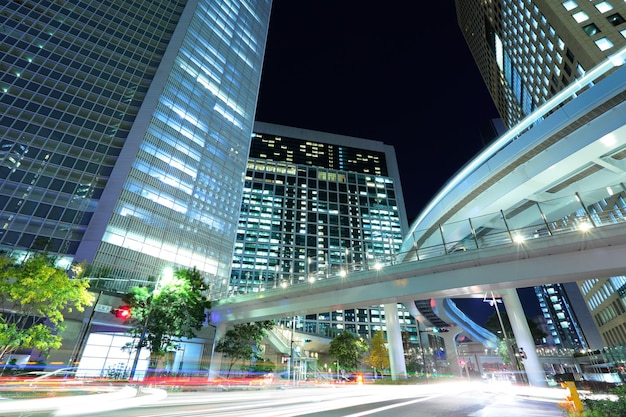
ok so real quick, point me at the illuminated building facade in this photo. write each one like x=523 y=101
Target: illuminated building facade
x=317 y=204
x=528 y=51
x=125 y=130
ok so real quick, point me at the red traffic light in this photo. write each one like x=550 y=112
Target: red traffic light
x=122 y=312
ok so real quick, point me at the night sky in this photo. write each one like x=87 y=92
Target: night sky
x=400 y=73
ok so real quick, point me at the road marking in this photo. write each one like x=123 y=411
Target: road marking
x=389 y=407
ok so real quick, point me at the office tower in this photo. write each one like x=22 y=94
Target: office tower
x=316 y=205
x=527 y=52
x=125 y=129
x=555 y=304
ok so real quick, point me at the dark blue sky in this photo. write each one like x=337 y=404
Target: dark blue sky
x=399 y=72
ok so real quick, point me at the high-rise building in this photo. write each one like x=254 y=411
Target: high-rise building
x=125 y=129
x=315 y=205
x=527 y=52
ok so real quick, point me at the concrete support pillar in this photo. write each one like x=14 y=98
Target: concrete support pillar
x=216 y=357
x=523 y=337
x=394 y=339
x=452 y=354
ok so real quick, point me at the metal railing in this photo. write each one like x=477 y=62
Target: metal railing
x=572 y=214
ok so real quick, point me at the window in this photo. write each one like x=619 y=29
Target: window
x=580 y=17
x=604 y=44
x=569 y=5
x=604 y=7
x=615 y=19
x=591 y=29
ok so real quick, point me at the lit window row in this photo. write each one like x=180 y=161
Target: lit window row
x=591 y=29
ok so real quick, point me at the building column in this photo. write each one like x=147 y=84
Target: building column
x=394 y=339
x=216 y=357
x=451 y=348
x=523 y=337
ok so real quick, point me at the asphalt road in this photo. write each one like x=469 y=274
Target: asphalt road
x=444 y=399
x=435 y=400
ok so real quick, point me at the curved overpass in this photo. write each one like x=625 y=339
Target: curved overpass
x=505 y=220
x=579 y=255
x=545 y=203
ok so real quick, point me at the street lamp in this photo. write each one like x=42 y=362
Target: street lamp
x=419 y=339
x=494 y=303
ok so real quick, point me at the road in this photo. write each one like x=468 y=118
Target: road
x=443 y=399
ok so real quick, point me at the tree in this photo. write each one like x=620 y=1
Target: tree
x=379 y=353
x=493 y=325
x=347 y=349
x=161 y=318
x=241 y=343
x=34 y=294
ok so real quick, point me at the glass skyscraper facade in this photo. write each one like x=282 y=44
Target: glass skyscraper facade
x=125 y=130
x=528 y=51
x=316 y=205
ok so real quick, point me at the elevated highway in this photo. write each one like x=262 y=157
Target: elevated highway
x=571 y=256
x=545 y=203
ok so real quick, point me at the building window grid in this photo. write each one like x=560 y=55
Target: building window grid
x=321 y=208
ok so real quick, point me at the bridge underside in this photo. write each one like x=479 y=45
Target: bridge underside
x=565 y=258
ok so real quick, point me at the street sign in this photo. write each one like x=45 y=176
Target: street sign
x=101 y=308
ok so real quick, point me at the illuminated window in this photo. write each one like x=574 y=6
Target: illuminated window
x=604 y=44
x=569 y=5
x=580 y=17
x=604 y=7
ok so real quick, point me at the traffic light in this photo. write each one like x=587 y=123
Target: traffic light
x=122 y=312
x=522 y=354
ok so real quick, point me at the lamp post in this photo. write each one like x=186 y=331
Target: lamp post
x=419 y=339
x=509 y=348
x=292 y=365
x=168 y=273
x=78 y=350
x=291 y=362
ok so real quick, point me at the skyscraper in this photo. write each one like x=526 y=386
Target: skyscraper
x=125 y=129
x=527 y=52
x=316 y=205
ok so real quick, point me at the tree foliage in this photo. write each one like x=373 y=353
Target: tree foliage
x=606 y=407
x=347 y=349
x=379 y=353
x=493 y=325
x=34 y=294
x=601 y=407
x=241 y=343
x=175 y=310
